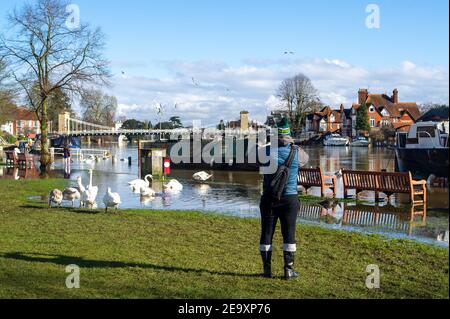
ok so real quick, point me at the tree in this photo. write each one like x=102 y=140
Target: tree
x=148 y=125
x=58 y=102
x=362 y=119
x=430 y=106
x=176 y=122
x=7 y=104
x=221 y=125
x=98 y=108
x=7 y=107
x=133 y=124
x=41 y=47
x=300 y=98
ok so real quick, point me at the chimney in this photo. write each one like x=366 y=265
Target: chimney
x=395 y=96
x=363 y=94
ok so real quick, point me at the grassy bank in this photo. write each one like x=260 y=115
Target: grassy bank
x=166 y=254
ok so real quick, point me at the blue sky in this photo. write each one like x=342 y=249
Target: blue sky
x=234 y=50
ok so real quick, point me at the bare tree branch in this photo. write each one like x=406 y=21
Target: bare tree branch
x=46 y=54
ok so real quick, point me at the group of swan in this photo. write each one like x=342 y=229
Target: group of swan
x=87 y=195
x=69 y=194
x=142 y=186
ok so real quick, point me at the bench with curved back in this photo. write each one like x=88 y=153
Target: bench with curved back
x=385 y=182
x=314 y=177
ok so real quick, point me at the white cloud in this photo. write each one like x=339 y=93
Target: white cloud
x=214 y=90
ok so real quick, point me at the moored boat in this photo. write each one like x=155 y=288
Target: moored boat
x=360 y=142
x=423 y=150
x=335 y=140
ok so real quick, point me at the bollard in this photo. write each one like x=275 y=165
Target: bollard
x=113 y=159
x=129 y=160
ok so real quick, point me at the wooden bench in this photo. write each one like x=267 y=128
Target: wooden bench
x=314 y=177
x=384 y=182
x=11 y=158
x=26 y=160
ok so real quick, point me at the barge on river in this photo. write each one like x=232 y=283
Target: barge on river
x=424 y=149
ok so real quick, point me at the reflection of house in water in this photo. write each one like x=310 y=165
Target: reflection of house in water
x=384 y=218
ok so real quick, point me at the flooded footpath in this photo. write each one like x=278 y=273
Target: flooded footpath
x=238 y=193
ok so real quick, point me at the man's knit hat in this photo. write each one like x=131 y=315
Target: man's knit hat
x=283 y=127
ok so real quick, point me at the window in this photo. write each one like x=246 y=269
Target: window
x=372 y=122
x=371 y=109
x=426 y=131
x=323 y=125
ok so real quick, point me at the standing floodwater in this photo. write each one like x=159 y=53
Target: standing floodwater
x=238 y=193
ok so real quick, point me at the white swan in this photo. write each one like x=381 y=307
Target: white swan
x=71 y=194
x=55 y=196
x=147 y=192
x=81 y=188
x=111 y=200
x=89 y=196
x=201 y=176
x=138 y=183
x=173 y=186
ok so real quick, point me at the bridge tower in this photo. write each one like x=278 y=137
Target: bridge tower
x=64 y=123
x=244 y=121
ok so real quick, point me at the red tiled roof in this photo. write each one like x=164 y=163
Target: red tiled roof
x=23 y=114
x=380 y=101
x=411 y=108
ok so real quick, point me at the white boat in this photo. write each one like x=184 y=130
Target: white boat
x=360 y=142
x=335 y=140
x=423 y=150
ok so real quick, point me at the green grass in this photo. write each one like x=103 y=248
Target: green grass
x=166 y=254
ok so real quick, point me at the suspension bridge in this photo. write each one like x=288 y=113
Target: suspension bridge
x=68 y=126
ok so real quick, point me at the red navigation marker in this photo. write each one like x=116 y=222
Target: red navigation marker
x=166 y=165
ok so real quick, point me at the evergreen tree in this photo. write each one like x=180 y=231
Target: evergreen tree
x=362 y=119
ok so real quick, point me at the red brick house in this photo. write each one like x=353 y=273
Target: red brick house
x=382 y=110
x=385 y=110
x=22 y=121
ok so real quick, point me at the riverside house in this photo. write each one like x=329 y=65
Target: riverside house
x=23 y=122
x=383 y=110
